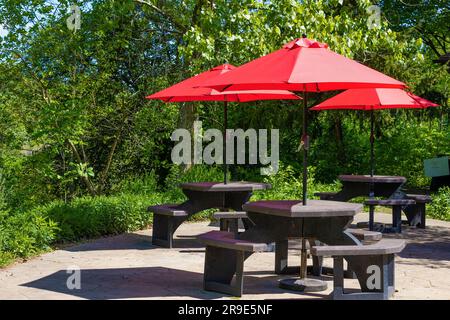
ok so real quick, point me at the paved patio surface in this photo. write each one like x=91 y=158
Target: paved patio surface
x=129 y=267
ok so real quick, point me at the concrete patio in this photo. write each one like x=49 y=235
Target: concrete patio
x=129 y=267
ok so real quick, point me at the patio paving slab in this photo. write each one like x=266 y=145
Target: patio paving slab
x=128 y=266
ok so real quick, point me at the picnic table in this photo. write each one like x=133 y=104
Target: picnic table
x=201 y=196
x=280 y=220
x=389 y=187
x=360 y=185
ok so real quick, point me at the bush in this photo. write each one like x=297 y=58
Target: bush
x=287 y=184
x=25 y=234
x=145 y=185
x=90 y=217
x=196 y=173
x=440 y=207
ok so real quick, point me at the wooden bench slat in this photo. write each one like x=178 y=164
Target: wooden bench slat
x=382 y=247
x=223 y=239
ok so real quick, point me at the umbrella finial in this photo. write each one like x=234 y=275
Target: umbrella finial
x=304 y=35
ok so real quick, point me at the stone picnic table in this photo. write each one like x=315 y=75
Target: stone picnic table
x=280 y=220
x=359 y=185
x=388 y=187
x=200 y=196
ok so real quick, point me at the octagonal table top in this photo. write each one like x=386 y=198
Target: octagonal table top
x=374 y=179
x=296 y=209
x=221 y=187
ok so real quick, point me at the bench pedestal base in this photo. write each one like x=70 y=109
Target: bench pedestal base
x=164 y=228
x=219 y=276
x=385 y=264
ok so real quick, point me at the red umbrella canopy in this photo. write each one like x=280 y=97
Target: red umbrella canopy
x=190 y=90
x=303 y=65
x=373 y=99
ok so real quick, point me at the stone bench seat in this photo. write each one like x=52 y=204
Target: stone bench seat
x=167 y=210
x=382 y=247
x=166 y=219
x=419 y=198
x=325 y=195
x=365 y=235
x=224 y=260
x=389 y=202
x=375 y=264
x=230 y=215
x=397 y=206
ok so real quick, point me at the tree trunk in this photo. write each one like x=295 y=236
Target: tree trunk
x=86 y=180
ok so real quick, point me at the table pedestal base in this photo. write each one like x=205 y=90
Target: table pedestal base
x=303 y=285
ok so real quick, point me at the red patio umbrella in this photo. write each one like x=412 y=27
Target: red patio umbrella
x=303 y=65
x=190 y=90
x=370 y=100
x=309 y=66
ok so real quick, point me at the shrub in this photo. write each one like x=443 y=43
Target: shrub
x=25 y=234
x=287 y=184
x=89 y=217
x=196 y=173
x=440 y=207
x=144 y=185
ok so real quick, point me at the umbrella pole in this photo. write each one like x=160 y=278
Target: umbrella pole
x=305 y=139
x=225 y=126
x=372 y=154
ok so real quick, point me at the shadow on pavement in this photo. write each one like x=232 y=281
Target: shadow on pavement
x=149 y=282
x=132 y=241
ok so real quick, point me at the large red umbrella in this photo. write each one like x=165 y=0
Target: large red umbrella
x=190 y=90
x=303 y=65
x=309 y=66
x=370 y=100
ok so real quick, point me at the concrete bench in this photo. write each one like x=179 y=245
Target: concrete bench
x=224 y=260
x=416 y=214
x=374 y=264
x=166 y=219
x=365 y=235
x=396 y=204
x=229 y=220
x=325 y=195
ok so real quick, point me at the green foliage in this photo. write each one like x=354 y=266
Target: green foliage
x=74 y=120
x=88 y=217
x=402 y=143
x=146 y=184
x=287 y=184
x=440 y=207
x=25 y=234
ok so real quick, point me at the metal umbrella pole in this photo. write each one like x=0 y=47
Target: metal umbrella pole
x=225 y=126
x=303 y=283
x=372 y=154
x=305 y=139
